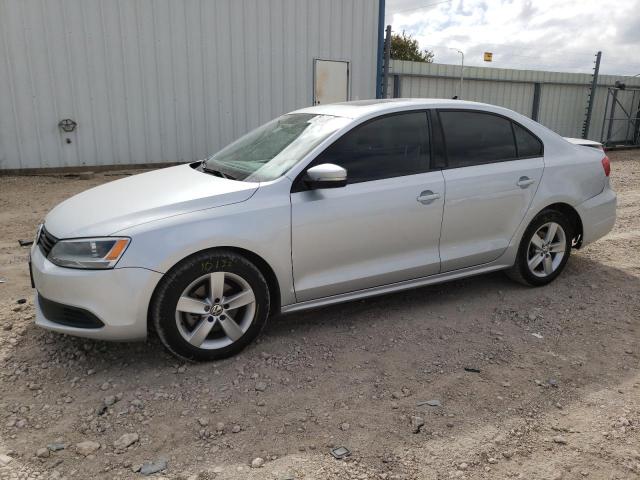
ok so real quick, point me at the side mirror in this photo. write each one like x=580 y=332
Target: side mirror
x=326 y=175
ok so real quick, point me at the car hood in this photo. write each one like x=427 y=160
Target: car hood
x=124 y=203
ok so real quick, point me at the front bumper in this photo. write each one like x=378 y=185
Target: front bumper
x=119 y=298
x=598 y=215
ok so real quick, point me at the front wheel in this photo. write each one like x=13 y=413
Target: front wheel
x=210 y=306
x=544 y=249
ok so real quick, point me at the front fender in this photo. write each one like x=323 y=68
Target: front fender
x=260 y=225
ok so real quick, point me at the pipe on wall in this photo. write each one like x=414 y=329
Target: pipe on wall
x=381 y=12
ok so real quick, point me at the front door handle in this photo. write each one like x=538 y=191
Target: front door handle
x=427 y=197
x=524 y=182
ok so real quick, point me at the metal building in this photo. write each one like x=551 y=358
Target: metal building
x=121 y=82
x=555 y=99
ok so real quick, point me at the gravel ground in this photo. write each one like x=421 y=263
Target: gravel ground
x=555 y=393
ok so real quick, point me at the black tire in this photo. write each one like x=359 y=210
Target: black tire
x=520 y=271
x=165 y=300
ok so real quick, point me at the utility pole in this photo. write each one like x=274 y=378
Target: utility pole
x=592 y=94
x=387 y=59
x=460 y=96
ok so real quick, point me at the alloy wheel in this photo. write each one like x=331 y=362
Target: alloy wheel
x=546 y=249
x=215 y=310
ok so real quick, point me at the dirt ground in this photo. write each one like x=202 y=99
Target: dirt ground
x=556 y=394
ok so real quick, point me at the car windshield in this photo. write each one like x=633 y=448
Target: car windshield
x=269 y=151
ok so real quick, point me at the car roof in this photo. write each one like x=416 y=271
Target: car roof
x=362 y=108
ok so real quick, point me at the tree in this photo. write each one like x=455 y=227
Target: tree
x=405 y=47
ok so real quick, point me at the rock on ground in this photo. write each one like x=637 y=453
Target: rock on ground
x=87 y=447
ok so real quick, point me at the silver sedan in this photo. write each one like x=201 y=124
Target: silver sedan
x=322 y=205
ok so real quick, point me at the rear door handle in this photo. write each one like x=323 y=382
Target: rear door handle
x=524 y=182
x=427 y=197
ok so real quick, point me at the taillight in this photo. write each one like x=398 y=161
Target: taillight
x=606 y=164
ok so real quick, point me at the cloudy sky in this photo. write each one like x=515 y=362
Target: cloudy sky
x=560 y=35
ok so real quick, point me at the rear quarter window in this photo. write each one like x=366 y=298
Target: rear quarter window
x=528 y=144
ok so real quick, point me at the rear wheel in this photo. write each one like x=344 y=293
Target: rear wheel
x=210 y=306
x=544 y=249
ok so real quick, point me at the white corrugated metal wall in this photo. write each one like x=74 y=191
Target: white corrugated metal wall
x=563 y=96
x=164 y=80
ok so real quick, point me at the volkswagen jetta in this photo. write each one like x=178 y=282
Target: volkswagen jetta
x=322 y=205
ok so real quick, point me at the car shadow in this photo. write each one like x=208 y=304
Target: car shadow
x=582 y=278
x=374 y=359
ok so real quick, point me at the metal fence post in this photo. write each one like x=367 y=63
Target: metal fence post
x=535 y=108
x=387 y=59
x=592 y=94
x=636 y=128
x=604 y=116
x=629 y=124
x=396 y=86
x=613 y=114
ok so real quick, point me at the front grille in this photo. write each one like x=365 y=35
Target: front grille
x=46 y=241
x=68 y=315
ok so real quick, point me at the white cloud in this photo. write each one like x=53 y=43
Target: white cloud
x=560 y=35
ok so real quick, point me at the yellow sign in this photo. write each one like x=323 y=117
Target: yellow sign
x=488 y=56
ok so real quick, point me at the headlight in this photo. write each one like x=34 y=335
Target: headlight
x=98 y=253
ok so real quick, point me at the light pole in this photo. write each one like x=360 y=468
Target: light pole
x=461 y=68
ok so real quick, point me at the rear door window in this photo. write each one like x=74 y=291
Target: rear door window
x=475 y=138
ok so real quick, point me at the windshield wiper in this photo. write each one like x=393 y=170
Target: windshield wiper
x=217 y=173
